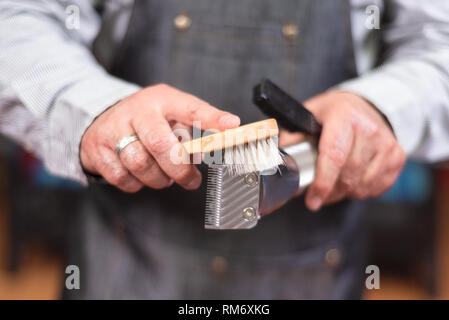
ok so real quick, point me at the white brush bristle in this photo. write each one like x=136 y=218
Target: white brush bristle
x=255 y=156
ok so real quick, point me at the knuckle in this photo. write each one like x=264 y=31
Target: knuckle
x=136 y=160
x=193 y=110
x=138 y=164
x=372 y=130
x=336 y=155
x=366 y=126
x=347 y=184
x=118 y=177
x=158 y=143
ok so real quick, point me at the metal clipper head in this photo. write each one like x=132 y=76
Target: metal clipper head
x=232 y=201
x=239 y=201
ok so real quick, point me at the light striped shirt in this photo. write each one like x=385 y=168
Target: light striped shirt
x=52 y=87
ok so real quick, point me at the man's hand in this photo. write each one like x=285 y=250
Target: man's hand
x=149 y=114
x=359 y=156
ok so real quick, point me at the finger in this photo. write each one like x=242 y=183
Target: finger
x=181 y=131
x=159 y=140
x=362 y=153
x=137 y=161
x=111 y=168
x=334 y=146
x=142 y=166
x=184 y=133
x=188 y=109
x=383 y=172
x=337 y=194
x=352 y=173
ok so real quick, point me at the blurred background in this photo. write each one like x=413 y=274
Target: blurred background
x=408 y=230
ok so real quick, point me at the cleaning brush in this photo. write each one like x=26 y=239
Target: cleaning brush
x=248 y=148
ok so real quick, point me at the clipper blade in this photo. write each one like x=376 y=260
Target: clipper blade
x=232 y=201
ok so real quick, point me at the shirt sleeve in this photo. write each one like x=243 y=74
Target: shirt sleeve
x=51 y=86
x=411 y=85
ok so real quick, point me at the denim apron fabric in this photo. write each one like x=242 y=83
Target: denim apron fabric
x=152 y=244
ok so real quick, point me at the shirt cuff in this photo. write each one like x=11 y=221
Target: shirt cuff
x=96 y=93
x=73 y=112
x=395 y=100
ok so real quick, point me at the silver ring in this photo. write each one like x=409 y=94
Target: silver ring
x=124 y=142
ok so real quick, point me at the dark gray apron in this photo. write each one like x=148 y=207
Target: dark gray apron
x=152 y=244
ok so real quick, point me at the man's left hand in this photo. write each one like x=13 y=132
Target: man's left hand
x=359 y=156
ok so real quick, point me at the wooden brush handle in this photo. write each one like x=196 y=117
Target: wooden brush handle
x=244 y=134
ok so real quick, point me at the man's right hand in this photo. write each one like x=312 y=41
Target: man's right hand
x=149 y=114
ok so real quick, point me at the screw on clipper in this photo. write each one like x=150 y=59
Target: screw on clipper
x=249 y=214
x=251 y=179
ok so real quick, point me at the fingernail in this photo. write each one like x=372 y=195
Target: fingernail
x=230 y=121
x=195 y=183
x=315 y=203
